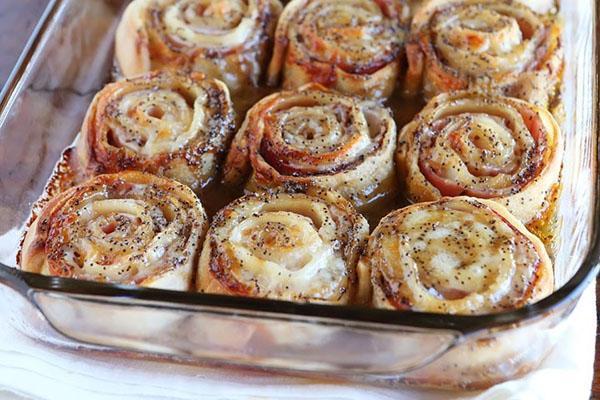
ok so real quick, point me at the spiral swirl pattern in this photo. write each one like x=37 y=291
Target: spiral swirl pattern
x=493 y=45
x=484 y=146
x=353 y=46
x=459 y=256
x=175 y=125
x=299 y=244
x=129 y=228
x=225 y=39
x=312 y=135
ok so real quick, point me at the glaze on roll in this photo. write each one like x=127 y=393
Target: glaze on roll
x=483 y=146
x=353 y=46
x=458 y=256
x=171 y=124
x=315 y=136
x=129 y=228
x=225 y=39
x=541 y=6
x=498 y=46
x=298 y=244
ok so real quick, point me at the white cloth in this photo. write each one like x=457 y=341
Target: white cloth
x=35 y=370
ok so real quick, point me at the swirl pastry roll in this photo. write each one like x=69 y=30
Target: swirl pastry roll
x=483 y=146
x=315 y=136
x=299 y=244
x=458 y=256
x=225 y=39
x=353 y=46
x=169 y=124
x=498 y=46
x=129 y=228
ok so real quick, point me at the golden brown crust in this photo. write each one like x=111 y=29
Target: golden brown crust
x=298 y=244
x=497 y=46
x=170 y=124
x=544 y=226
x=457 y=255
x=226 y=39
x=315 y=136
x=353 y=46
x=130 y=228
x=485 y=146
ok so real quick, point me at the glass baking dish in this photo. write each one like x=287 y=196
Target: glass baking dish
x=69 y=58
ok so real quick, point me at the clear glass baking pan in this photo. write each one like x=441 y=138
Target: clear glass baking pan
x=69 y=58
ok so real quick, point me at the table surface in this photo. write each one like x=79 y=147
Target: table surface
x=17 y=20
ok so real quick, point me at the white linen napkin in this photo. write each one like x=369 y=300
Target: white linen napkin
x=31 y=369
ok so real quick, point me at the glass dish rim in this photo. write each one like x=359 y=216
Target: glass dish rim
x=26 y=283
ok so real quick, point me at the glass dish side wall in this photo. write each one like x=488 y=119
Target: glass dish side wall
x=312 y=346
x=41 y=116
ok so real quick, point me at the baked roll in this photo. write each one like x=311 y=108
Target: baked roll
x=298 y=244
x=315 y=136
x=225 y=39
x=483 y=146
x=462 y=256
x=498 y=46
x=129 y=228
x=456 y=256
x=170 y=124
x=353 y=46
